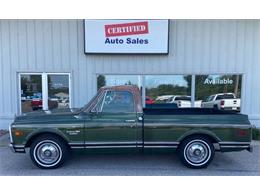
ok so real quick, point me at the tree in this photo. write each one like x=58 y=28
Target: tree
x=101 y=81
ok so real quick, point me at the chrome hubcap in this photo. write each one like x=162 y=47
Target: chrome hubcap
x=196 y=152
x=48 y=153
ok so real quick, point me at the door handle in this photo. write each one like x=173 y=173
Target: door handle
x=130 y=121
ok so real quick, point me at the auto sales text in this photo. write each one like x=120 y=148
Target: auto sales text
x=127 y=41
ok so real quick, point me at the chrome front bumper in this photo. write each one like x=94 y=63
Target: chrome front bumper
x=17 y=148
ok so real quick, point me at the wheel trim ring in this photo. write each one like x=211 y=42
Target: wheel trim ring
x=197 y=152
x=38 y=161
x=50 y=148
x=197 y=164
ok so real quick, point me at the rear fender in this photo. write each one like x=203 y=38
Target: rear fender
x=200 y=132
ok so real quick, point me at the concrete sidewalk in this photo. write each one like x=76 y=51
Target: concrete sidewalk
x=4 y=140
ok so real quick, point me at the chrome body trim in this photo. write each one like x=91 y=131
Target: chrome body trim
x=77 y=147
x=138 y=144
x=121 y=146
x=234 y=143
x=71 y=143
x=149 y=124
x=10 y=133
x=163 y=124
x=235 y=146
x=153 y=146
x=162 y=143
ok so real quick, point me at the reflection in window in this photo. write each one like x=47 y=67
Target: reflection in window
x=219 y=91
x=114 y=80
x=31 y=92
x=58 y=91
x=171 y=90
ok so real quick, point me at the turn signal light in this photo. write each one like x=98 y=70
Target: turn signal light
x=18 y=133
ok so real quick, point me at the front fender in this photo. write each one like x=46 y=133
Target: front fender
x=40 y=131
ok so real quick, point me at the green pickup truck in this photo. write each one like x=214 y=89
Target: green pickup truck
x=115 y=121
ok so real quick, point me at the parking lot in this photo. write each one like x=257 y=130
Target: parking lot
x=233 y=163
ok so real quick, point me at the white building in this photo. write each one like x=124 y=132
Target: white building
x=41 y=58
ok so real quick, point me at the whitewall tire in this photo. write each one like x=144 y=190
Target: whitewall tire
x=48 y=151
x=196 y=151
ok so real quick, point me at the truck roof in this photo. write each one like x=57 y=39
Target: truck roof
x=224 y=94
x=121 y=87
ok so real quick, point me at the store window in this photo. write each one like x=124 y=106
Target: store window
x=183 y=91
x=171 y=90
x=114 y=80
x=221 y=92
x=44 y=91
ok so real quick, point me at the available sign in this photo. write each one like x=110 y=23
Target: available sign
x=126 y=36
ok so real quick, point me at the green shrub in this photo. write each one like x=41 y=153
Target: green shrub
x=256 y=134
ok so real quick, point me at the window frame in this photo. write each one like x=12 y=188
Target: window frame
x=132 y=96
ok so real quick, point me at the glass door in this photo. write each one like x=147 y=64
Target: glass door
x=58 y=91
x=30 y=92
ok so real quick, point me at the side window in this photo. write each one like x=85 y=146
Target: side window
x=219 y=97
x=210 y=98
x=118 y=101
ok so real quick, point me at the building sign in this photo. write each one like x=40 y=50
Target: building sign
x=126 y=36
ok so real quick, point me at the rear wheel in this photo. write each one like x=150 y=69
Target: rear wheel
x=48 y=151
x=196 y=152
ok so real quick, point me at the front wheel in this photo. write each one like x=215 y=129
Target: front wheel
x=196 y=152
x=48 y=151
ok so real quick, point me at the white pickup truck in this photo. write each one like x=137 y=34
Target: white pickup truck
x=183 y=101
x=222 y=101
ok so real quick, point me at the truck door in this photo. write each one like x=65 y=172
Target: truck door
x=112 y=122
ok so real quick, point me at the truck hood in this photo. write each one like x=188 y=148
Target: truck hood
x=49 y=115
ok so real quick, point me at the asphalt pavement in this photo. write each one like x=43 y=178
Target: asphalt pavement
x=224 y=164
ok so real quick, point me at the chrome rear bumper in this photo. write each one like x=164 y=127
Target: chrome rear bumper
x=235 y=146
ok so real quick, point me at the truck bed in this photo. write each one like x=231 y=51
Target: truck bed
x=194 y=116
x=186 y=111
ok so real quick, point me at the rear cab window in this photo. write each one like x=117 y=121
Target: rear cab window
x=225 y=96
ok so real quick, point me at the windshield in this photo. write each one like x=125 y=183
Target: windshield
x=210 y=98
x=90 y=102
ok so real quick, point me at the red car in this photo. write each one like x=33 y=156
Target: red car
x=37 y=104
x=149 y=100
